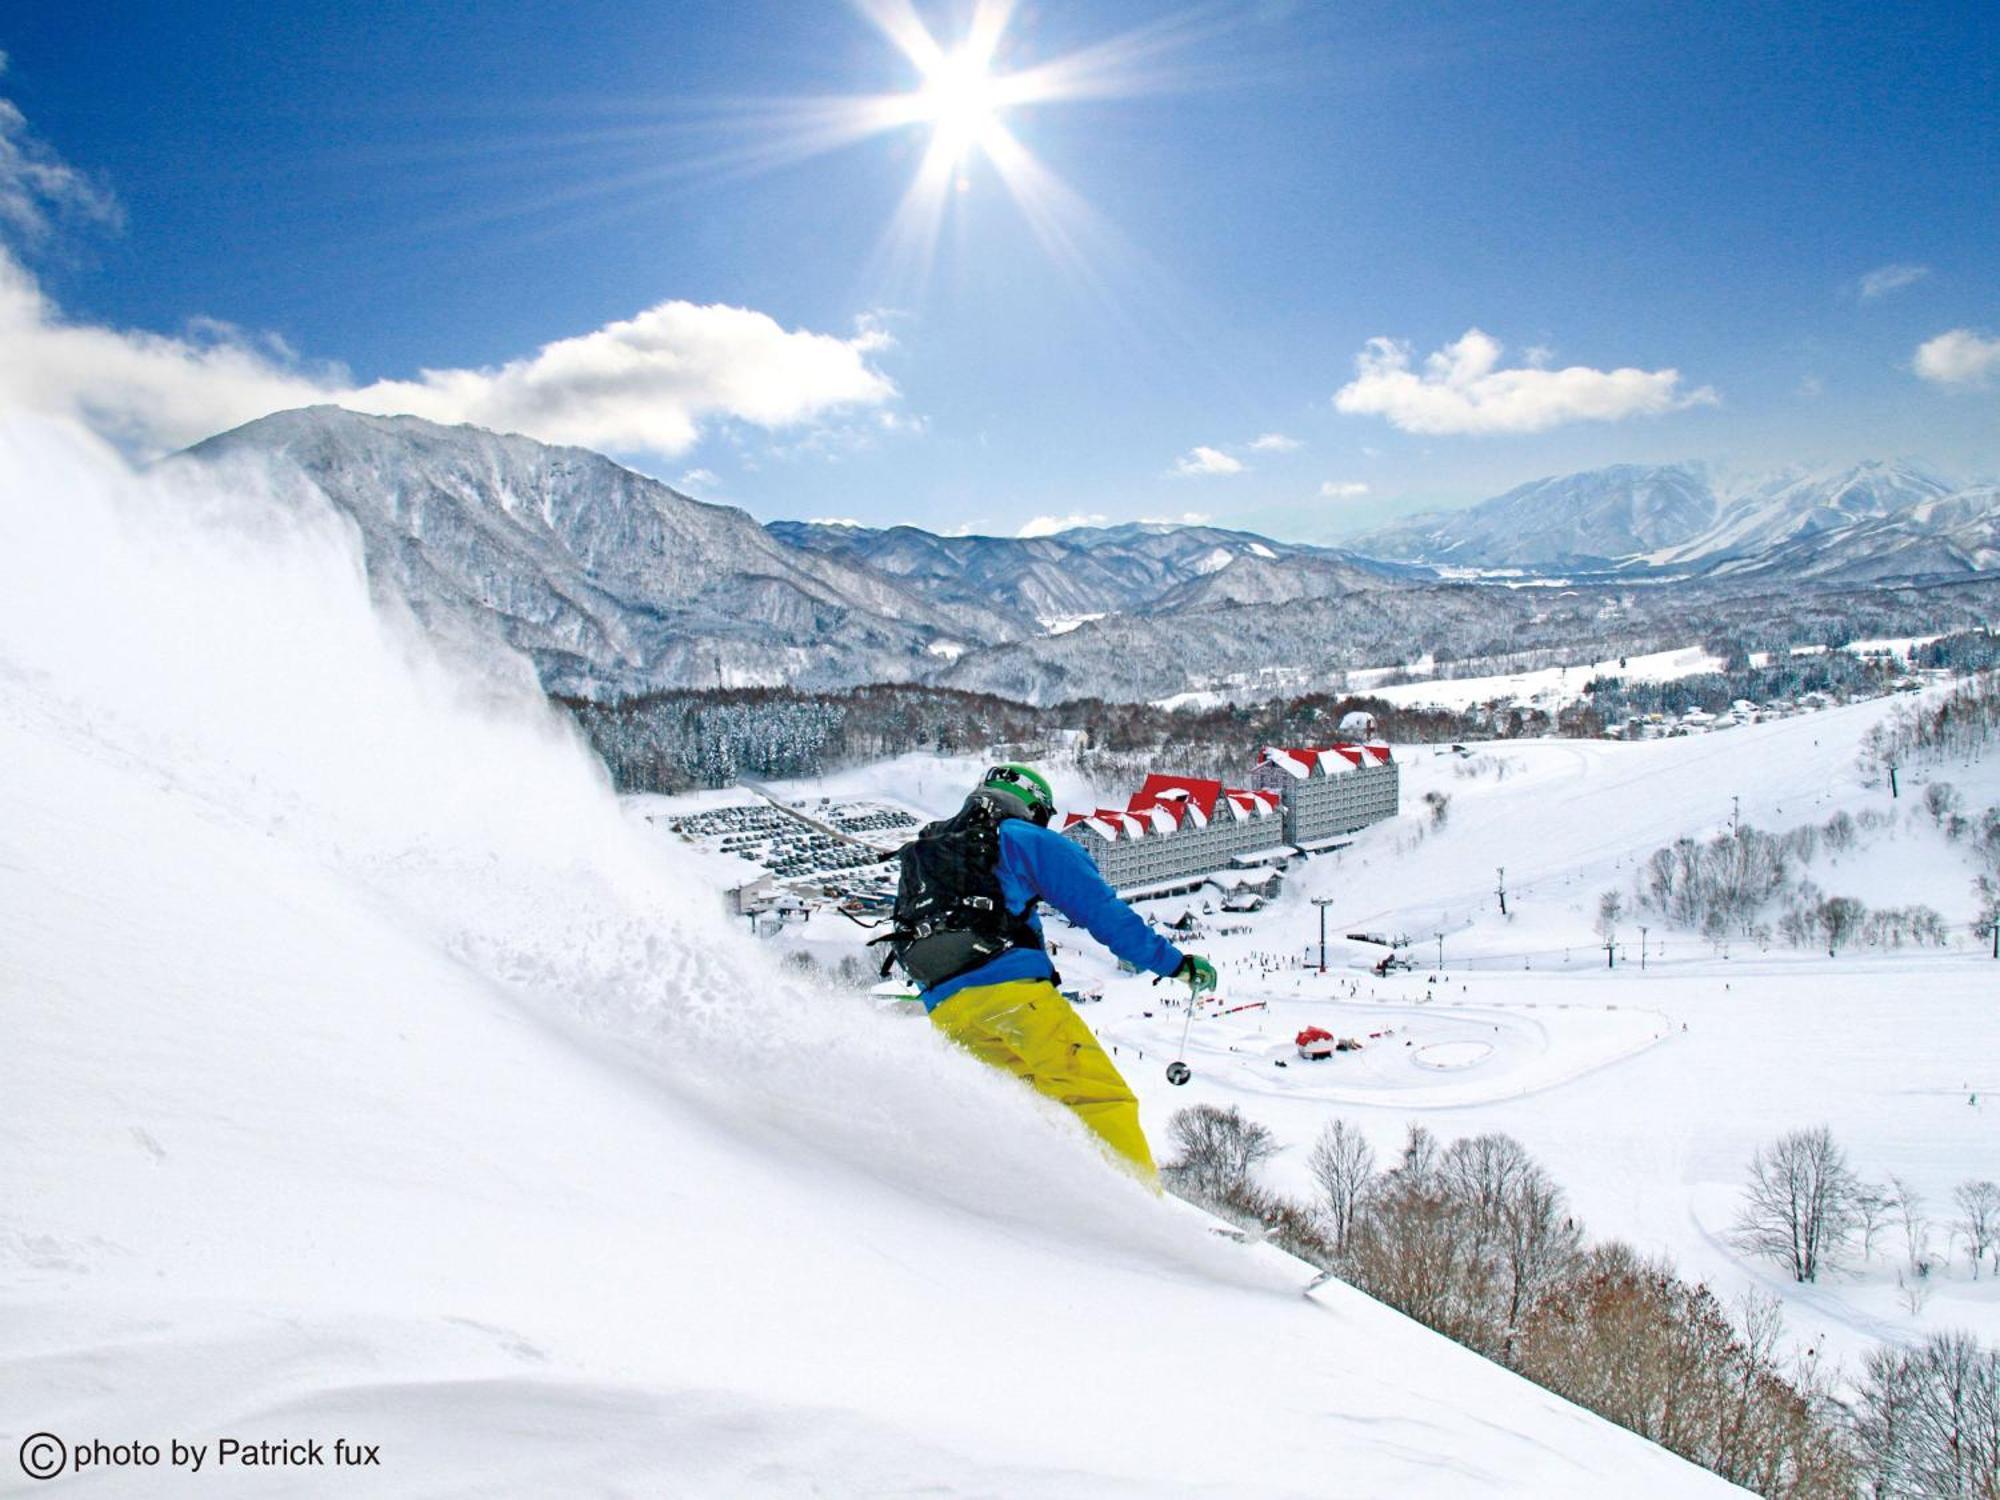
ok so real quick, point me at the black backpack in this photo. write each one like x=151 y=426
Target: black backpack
x=950 y=914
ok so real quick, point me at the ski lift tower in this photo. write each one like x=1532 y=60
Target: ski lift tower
x=1322 y=902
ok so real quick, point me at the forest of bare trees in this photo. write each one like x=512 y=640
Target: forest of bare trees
x=1752 y=884
x=1806 y=1208
x=1474 y=1239
x=1958 y=726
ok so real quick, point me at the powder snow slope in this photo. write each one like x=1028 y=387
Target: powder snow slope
x=369 y=1075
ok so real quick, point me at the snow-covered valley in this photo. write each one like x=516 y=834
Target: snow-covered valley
x=1645 y=1089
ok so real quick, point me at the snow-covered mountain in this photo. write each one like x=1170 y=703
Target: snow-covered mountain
x=608 y=579
x=1949 y=536
x=1141 y=566
x=1249 y=578
x=1587 y=518
x=1255 y=648
x=369 y=1074
x=1849 y=523
x=1769 y=514
x=615 y=584
x=1042 y=577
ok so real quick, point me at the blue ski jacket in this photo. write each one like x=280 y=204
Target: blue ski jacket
x=1036 y=863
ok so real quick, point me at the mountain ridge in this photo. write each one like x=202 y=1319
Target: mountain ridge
x=608 y=578
x=1685 y=518
x=614 y=584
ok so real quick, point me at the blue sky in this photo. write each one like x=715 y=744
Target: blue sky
x=310 y=199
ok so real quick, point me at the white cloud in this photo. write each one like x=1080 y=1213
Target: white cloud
x=36 y=184
x=1185 y=518
x=1811 y=387
x=871 y=330
x=145 y=391
x=645 y=385
x=1960 y=357
x=1050 y=525
x=1886 y=279
x=1462 y=390
x=1200 y=462
x=698 y=479
x=1334 y=489
x=1275 y=442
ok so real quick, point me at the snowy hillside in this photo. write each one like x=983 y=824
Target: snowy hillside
x=1893 y=1049
x=1244 y=578
x=1647 y=1087
x=369 y=1074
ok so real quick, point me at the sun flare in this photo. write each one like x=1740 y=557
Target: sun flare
x=961 y=106
x=962 y=100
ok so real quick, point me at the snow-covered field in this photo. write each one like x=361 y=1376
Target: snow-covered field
x=1546 y=687
x=368 y=1074
x=1644 y=1090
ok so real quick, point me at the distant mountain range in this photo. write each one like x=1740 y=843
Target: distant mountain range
x=1142 y=567
x=1858 y=523
x=615 y=584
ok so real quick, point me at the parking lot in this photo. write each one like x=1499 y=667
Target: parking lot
x=828 y=851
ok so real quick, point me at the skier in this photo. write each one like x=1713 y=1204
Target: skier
x=966 y=932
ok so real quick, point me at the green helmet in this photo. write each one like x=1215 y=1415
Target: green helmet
x=1026 y=786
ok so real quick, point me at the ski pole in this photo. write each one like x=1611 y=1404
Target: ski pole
x=1178 y=1072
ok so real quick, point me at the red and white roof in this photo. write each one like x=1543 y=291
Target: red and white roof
x=1166 y=804
x=1328 y=760
x=1191 y=798
x=1251 y=804
x=1107 y=823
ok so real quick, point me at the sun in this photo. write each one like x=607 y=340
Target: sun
x=956 y=111
x=962 y=103
x=961 y=100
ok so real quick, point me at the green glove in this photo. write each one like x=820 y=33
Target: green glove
x=1198 y=972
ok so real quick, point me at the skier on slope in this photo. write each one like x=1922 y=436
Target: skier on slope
x=967 y=933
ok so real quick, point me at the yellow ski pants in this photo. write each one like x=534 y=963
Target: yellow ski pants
x=1026 y=1027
